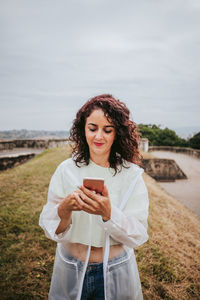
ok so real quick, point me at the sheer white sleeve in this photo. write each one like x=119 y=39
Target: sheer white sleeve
x=49 y=219
x=129 y=226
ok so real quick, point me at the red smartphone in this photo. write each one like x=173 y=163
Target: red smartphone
x=94 y=184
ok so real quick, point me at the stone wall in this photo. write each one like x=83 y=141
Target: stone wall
x=13 y=161
x=41 y=143
x=10 y=160
x=189 y=151
x=163 y=169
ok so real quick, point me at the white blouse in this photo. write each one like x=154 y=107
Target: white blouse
x=68 y=177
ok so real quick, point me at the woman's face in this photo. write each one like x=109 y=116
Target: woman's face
x=100 y=134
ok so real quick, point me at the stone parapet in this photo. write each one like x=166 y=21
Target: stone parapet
x=31 y=143
x=13 y=161
x=9 y=159
x=185 y=150
x=163 y=169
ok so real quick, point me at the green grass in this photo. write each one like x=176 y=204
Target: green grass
x=27 y=256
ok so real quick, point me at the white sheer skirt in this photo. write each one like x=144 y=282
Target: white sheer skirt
x=122 y=278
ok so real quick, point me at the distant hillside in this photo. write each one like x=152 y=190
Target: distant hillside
x=31 y=134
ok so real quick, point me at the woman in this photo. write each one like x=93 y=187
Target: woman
x=96 y=233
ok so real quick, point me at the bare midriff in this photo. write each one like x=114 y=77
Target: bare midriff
x=96 y=255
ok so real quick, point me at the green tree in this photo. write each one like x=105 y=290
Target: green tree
x=194 y=142
x=151 y=132
x=168 y=137
x=161 y=137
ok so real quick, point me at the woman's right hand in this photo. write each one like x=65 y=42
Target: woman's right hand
x=67 y=205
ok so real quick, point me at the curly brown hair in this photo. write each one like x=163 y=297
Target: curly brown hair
x=126 y=143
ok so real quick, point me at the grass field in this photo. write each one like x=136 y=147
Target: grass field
x=169 y=263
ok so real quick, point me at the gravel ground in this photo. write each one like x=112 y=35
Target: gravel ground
x=185 y=190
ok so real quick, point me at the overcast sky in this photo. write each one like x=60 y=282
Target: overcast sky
x=54 y=55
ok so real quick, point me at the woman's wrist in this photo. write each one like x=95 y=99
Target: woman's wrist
x=106 y=218
x=63 y=225
x=63 y=212
x=65 y=220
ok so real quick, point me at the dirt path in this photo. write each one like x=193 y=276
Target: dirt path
x=185 y=190
x=19 y=151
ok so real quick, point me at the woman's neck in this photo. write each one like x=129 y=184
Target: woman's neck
x=101 y=161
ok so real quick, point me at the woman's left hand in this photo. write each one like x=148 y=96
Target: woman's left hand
x=97 y=204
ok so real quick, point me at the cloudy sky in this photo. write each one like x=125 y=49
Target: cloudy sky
x=54 y=55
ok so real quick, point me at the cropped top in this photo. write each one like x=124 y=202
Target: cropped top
x=68 y=177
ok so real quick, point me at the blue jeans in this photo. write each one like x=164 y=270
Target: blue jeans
x=93 y=285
